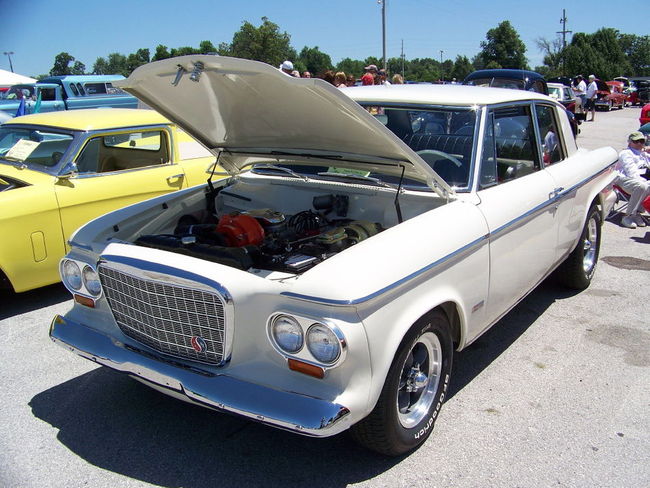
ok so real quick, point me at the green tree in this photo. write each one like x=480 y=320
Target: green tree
x=264 y=43
x=599 y=53
x=78 y=68
x=140 y=57
x=462 y=67
x=314 y=60
x=637 y=50
x=61 y=64
x=553 y=57
x=206 y=47
x=502 y=49
x=161 y=53
x=350 y=66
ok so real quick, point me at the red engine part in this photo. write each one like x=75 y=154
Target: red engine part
x=241 y=230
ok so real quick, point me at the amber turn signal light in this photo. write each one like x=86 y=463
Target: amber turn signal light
x=306 y=368
x=82 y=300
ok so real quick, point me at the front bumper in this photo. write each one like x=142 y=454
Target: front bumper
x=291 y=411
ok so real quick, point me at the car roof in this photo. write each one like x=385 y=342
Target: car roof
x=452 y=95
x=93 y=118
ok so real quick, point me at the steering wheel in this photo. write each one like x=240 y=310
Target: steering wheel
x=432 y=156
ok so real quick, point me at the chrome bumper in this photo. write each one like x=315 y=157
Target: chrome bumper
x=291 y=411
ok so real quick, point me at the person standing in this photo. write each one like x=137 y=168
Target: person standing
x=590 y=93
x=368 y=77
x=579 y=89
x=632 y=163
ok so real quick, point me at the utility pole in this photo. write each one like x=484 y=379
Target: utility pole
x=8 y=54
x=564 y=32
x=402 y=56
x=442 y=71
x=383 y=28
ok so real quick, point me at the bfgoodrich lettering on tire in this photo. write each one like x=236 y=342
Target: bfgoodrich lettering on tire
x=415 y=388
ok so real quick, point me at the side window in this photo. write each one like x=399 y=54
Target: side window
x=88 y=160
x=509 y=147
x=552 y=151
x=75 y=92
x=130 y=150
x=95 y=88
x=48 y=94
x=80 y=89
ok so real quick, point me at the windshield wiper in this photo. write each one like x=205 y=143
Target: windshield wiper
x=352 y=176
x=282 y=169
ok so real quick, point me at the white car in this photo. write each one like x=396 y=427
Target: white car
x=364 y=236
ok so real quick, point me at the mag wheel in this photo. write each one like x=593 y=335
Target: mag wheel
x=579 y=267
x=414 y=390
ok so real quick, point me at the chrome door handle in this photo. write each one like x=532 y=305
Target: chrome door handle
x=556 y=192
x=175 y=177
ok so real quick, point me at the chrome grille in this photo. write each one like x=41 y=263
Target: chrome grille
x=166 y=316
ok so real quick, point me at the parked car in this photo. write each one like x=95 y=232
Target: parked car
x=641 y=86
x=609 y=95
x=518 y=79
x=56 y=93
x=59 y=170
x=563 y=94
x=364 y=235
x=645 y=114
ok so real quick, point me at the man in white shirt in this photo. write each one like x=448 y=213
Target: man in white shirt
x=580 y=89
x=592 y=88
x=632 y=163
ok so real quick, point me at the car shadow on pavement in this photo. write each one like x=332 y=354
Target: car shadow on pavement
x=120 y=425
x=478 y=356
x=19 y=303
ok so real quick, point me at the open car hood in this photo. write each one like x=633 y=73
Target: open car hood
x=249 y=108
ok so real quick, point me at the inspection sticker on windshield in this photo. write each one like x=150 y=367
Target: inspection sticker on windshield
x=21 y=150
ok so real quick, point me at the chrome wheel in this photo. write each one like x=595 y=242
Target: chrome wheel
x=590 y=246
x=419 y=380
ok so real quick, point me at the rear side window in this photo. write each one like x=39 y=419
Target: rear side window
x=95 y=88
x=75 y=92
x=552 y=150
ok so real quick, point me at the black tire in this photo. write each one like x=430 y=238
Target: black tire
x=579 y=267
x=407 y=408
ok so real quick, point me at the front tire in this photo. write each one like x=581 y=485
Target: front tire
x=415 y=388
x=579 y=267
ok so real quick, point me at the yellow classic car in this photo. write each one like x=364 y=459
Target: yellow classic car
x=59 y=170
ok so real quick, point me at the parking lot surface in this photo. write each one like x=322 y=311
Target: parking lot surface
x=555 y=394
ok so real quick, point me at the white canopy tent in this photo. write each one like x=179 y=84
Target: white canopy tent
x=7 y=78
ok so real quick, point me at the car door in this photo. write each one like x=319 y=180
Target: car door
x=568 y=171
x=195 y=159
x=116 y=170
x=515 y=196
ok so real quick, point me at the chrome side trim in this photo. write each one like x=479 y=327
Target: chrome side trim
x=437 y=266
x=286 y=410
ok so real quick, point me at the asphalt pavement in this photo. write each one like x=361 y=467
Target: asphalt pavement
x=556 y=394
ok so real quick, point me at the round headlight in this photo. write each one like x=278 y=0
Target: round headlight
x=71 y=274
x=287 y=333
x=91 y=281
x=323 y=343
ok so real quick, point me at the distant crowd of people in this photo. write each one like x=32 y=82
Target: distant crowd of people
x=371 y=76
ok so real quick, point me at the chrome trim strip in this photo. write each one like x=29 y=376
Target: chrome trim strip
x=449 y=259
x=442 y=263
x=286 y=410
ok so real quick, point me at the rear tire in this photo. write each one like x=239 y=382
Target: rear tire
x=579 y=267
x=415 y=388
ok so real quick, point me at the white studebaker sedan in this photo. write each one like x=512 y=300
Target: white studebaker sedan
x=362 y=237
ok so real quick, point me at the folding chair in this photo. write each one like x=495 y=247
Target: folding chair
x=621 y=203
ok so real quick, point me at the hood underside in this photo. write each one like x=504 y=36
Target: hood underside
x=240 y=106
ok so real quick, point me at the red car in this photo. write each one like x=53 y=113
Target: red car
x=610 y=94
x=645 y=114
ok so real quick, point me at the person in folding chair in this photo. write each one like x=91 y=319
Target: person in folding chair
x=632 y=164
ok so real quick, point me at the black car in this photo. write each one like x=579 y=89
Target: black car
x=518 y=79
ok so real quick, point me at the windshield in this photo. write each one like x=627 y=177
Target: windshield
x=499 y=83
x=555 y=92
x=443 y=137
x=37 y=147
x=17 y=92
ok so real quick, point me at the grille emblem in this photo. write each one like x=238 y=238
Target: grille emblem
x=199 y=344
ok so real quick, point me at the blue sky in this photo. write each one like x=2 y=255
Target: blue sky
x=340 y=28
